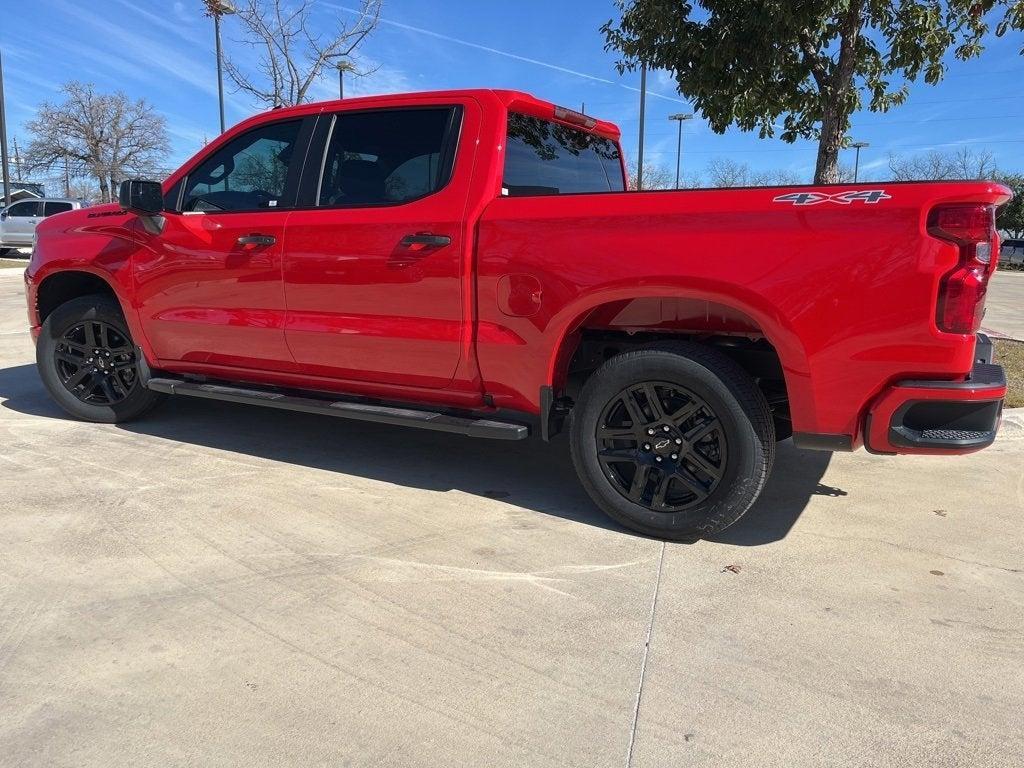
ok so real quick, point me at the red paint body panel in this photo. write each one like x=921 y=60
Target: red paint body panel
x=202 y=298
x=845 y=292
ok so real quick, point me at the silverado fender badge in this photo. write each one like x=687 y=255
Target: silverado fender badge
x=868 y=196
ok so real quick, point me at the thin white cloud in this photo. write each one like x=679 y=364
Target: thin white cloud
x=506 y=54
x=180 y=26
x=149 y=52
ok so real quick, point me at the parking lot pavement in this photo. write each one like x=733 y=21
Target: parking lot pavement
x=217 y=584
x=1004 y=304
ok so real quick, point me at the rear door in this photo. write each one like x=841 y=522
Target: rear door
x=374 y=266
x=52 y=207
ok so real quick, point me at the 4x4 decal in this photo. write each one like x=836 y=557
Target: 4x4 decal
x=868 y=196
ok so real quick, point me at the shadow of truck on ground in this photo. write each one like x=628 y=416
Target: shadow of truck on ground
x=530 y=474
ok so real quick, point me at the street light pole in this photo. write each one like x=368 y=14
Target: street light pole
x=218 y=8
x=679 y=143
x=640 y=149
x=343 y=67
x=3 y=139
x=858 y=145
x=220 y=71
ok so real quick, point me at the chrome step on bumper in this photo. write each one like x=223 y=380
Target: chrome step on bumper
x=383 y=414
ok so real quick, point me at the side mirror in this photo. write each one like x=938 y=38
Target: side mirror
x=3 y=215
x=143 y=197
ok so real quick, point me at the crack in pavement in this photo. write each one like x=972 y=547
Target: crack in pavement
x=643 y=660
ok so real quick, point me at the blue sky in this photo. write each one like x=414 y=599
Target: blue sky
x=163 y=51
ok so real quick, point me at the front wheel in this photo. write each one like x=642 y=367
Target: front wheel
x=88 y=363
x=674 y=440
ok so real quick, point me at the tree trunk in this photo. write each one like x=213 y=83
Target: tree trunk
x=826 y=170
x=104 y=189
x=837 y=95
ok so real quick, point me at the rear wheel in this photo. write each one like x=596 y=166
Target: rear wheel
x=673 y=440
x=88 y=362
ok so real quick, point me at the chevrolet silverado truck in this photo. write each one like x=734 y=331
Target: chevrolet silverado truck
x=473 y=262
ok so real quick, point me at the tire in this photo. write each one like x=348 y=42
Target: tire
x=87 y=361
x=692 y=468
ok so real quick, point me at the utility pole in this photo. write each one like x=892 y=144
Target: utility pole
x=640 y=149
x=218 y=8
x=3 y=139
x=679 y=143
x=17 y=161
x=858 y=145
x=67 y=177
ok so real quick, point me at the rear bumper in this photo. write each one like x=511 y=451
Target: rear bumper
x=940 y=417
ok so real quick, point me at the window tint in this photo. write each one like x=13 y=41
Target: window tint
x=248 y=174
x=387 y=157
x=51 y=208
x=547 y=158
x=26 y=209
x=171 y=198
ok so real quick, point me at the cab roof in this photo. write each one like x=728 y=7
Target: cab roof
x=515 y=101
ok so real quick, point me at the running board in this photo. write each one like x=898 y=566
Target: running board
x=404 y=417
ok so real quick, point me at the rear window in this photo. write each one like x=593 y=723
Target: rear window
x=548 y=158
x=51 y=208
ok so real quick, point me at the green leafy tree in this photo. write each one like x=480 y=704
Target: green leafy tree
x=1011 y=216
x=751 y=63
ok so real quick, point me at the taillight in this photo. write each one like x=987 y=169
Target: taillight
x=972 y=227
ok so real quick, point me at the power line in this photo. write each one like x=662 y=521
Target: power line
x=815 y=149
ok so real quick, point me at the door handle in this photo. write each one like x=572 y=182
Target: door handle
x=255 y=239
x=426 y=238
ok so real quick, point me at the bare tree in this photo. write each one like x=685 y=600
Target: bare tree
x=968 y=164
x=104 y=136
x=776 y=177
x=726 y=172
x=655 y=176
x=292 y=56
x=965 y=163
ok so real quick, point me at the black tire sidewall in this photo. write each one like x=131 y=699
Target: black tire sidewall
x=746 y=462
x=95 y=307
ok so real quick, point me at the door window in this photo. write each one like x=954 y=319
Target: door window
x=51 y=208
x=548 y=158
x=388 y=157
x=27 y=209
x=249 y=174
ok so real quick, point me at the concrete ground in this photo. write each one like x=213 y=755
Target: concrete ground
x=1004 y=304
x=222 y=585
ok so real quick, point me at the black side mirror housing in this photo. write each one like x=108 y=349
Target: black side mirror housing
x=143 y=197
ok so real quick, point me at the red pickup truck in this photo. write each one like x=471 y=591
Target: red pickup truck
x=472 y=261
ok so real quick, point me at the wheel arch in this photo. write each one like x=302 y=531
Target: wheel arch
x=679 y=311
x=62 y=286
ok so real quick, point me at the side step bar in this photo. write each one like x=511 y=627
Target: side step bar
x=405 y=417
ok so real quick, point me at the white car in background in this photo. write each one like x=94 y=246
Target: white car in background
x=18 y=220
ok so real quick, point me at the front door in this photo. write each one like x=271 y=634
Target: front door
x=374 y=266
x=209 y=283
x=20 y=222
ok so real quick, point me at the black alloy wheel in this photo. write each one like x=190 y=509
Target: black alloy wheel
x=96 y=363
x=673 y=439
x=662 y=446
